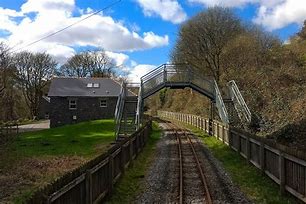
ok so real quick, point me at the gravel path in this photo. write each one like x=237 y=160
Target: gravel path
x=41 y=125
x=162 y=180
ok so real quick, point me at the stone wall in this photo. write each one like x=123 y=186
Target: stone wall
x=88 y=108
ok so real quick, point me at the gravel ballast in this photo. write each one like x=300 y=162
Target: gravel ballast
x=162 y=179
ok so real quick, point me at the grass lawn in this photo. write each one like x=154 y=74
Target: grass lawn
x=130 y=185
x=35 y=158
x=83 y=139
x=259 y=188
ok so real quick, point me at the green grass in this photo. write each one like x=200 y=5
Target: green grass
x=66 y=146
x=83 y=139
x=131 y=183
x=259 y=188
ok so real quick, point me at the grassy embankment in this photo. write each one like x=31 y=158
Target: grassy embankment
x=130 y=185
x=259 y=188
x=36 y=158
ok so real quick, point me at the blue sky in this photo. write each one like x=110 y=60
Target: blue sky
x=136 y=33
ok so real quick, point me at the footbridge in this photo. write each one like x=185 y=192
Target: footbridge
x=176 y=76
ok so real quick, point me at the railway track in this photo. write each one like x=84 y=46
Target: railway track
x=192 y=182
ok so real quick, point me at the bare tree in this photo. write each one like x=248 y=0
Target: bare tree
x=94 y=64
x=33 y=72
x=6 y=68
x=202 y=39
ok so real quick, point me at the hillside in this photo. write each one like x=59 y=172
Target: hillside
x=270 y=74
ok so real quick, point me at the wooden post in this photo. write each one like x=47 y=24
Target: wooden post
x=122 y=160
x=110 y=173
x=217 y=131
x=248 y=149
x=282 y=173
x=131 y=150
x=262 y=157
x=88 y=179
x=223 y=133
x=239 y=143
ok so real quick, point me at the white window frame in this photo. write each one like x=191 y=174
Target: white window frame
x=75 y=103
x=103 y=106
x=96 y=85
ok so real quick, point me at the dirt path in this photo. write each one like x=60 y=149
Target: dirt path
x=162 y=181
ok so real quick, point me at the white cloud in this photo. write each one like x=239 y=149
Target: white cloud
x=272 y=14
x=282 y=14
x=119 y=58
x=52 y=15
x=6 y=21
x=168 y=10
x=43 y=6
x=225 y=3
x=138 y=71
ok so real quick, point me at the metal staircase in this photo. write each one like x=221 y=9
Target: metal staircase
x=125 y=113
x=174 y=76
x=241 y=107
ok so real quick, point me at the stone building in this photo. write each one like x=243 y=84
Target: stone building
x=74 y=100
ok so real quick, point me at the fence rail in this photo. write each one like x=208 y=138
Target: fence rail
x=283 y=165
x=91 y=182
x=9 y=128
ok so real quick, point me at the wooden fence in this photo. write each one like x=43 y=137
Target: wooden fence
x=91 y=182
x=9 y=128
x=285 y=166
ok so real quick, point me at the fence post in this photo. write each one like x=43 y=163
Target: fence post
x=131 y=150
x=210 y=125
x=282 y=172
x=262 y=157
x=248 y=149
x=199 y=123
x=88 y=179
x=122 y=160
x=110 y=173
x=223 y=133
x=239 y=143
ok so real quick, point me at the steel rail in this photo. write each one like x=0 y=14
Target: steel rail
x=207 y=195
x=178 y=138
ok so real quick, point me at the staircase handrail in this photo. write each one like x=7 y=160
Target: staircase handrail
x=236 y=94
x=220 y=104
x=138 y=110
x=119 y=109
x=118 y=101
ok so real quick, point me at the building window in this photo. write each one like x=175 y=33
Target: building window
x=103 y=103
x=93 y=85
x=46 y=115
x=72 y=104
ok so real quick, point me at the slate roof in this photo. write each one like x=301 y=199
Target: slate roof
x=77 y=87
